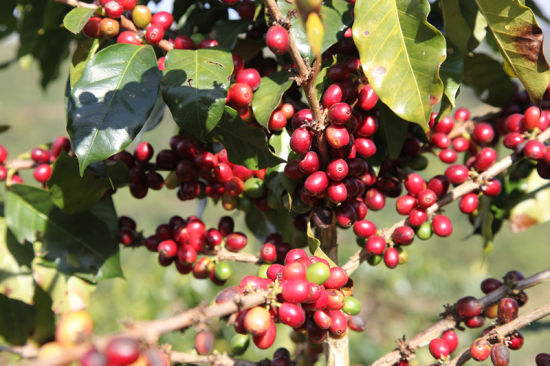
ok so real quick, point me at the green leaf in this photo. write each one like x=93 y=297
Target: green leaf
x=246 y=145
x=227 y=31
x=401 y=54
x=520 y=42
x=393 y=129
x=451 y=74
x=16 y=280
x=85 y=50
x=195 y=88
x=268 y=96
x=7 y=17
x=535 y=8
x=487 y=77
x=464 y=25
x=280 y=143
x=312 y=242
x=77 y=18
x=111 y=101
x=68 y=293
x=533 y=207
x=73 y=193
x=16 y=320
x=333 y=32
x=78 y=243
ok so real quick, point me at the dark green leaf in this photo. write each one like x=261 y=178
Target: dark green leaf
x=313 y=243
x=106 y=212
x=332 y=20
x=16 y=320
x=487 y=77
x=268 y=96
x=111 y=101
x=451 y=74
x=227 y=31
x=78 y=243
x=4 y=128
x=7 y=17
x=195 y=88
x=85 y=50
x=393 y=129
x=77 y=18
x=246 y=145
x=44 y=318
x=464 y=25
x=520 y=41
x=401 y=54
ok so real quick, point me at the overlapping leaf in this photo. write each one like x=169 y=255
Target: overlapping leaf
x=488 y=78
x=195 y=88
x=77 y=18
x=111 y=101
x=520 y=41
x=401 y=54
x=268 y=96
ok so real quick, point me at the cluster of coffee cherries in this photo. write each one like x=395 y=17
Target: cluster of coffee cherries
x=108 y=24
x=313 y=298
x=75 y=330
x=441 y=347
x=181 y=241
x=42 y=161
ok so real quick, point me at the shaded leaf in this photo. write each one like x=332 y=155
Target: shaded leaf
x=464 y=25
x=520 y=42
x=111 y=101
x=393 y=129
x=268 y=96
x=451 y=74
x=7 y=17
x=313 y=243
x=246 y=145
x=195 y=88
x=533 y=207
x=488 y=79
x=85 y=50
x=78 y=243
x=227 y=31
x=77 y=18
x=401 y=54
x=16 y=320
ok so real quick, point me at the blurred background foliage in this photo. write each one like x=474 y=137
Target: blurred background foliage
x=395 y=302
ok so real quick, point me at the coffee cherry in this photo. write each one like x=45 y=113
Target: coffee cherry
x=457 y=173
x=441 y=140
x=490 y=284
x=207 y=43
x=450 y=337
x=391 y=257
x=480 y=349
x=154 y=34
x=113 y=9
x=316 y=182
x=367 y=127
x=352 y=306
x=257 y=320
x=241 y=94
x=334 y=94
x=339 y=113
x=128 y=4
x=447 y=156
x=163 y=19
x=417 y=217
x=405 y=204
x=184 y=42
x=277 y=39
x=531 y=119
x=296 y=290
x=367 y=98
x=507 y=310
x=462 y=114
x=375 y=199
x=339 y=323
x=74 y=328
x=141 y=15
x=235 y=241
x=475 y=321
x=439 y=348
x=337 y=170
x=512 y=140
x=492 y=187
x=460 y=144
x=534 y=149
x=403 y=235
x=42 y=172
x=93 y=358
x=485 y=158
x=365 y=147
x=468 y=203
x=364 y=228
x=468 y=307
x=426 y=198
x=39 y=155
x=291 y=314
x=483 y=133
x=91 y=29
x=542 y=359
x=516 y=340
x=337 y=137
x=128 y=37
x=500 y=355
x=442 y=226
x=300 y=141
x=318 y=273
x=109 y=27
x=122 y=351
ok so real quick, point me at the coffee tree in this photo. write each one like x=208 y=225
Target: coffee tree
x=305 y=115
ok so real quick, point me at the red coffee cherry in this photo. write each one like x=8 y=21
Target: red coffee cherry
x=184 y=42
x=468 y=203
x=542 y=359
x=516 y=340
x=417 y=217
x=39 y=155
x=534 y=149
x=512 y=140
x=337 y=279
x=266 y=340
x=462 y=114
x=163 y=19
x=300 y=141
x=500 y=355
x=316 y=182
x=475 y=321
x=531 y=119
x=241 y=94
x=277 y=39
x=439 y=348
x=367 y=98
x=442 y=226
x=334 y=94
x=268 y=253
x=414 y=184
x=337 y=170
x=291 y=314
x=439 y=184
x=339 y=113
x=144 y=152
x=364 y=228
x=207 y=43
x=483 y=133
x=204 y=342
x=154 y=34
x=128 y=37
x=507 y=310
x=468 y=307
x=457 y=173
x=450 y=337
x=492 y=187
x=403 y=235
x=405 y=204
x=441 y=140
x=322 y=318
x=367 y=126
x=480 y=349
x=122 y=351
x=490 y=284
x=514 y=123
x=93 y=358
x=337 y=192
x=391 y=257
x=365 y=147
x=444 y=125
x=426 y=198
x=337 y=137
x=235 y=241
x=249 y=76
x=91 y=29
x=296 y=290
x=338 y=72
x=485 y=158
x=310 y=163
x=42 y=172
x=460 y=144
x=447 y=156
x=113 y=9
x=375 y=199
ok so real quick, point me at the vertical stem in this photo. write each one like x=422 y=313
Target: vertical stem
x=336 y=349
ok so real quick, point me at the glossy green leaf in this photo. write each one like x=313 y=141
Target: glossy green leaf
x=246 y=145
x=488 y=79
x=68 y=293
x=73 y=193
x=464 y=25
x=280 y=143
x=393 y=129
x=111 y=101
x=268 y=96
x=85 y=50
x=332 y=20
x=77 y=18
x=79 y=243
x=195 y=88
x=451 y=74
x=16 y=280
x=227 y=31
x=401 y=54
x=520 y=42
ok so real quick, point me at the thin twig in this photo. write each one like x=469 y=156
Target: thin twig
x=504 y=330
x=469 y=186
x=424 y=337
